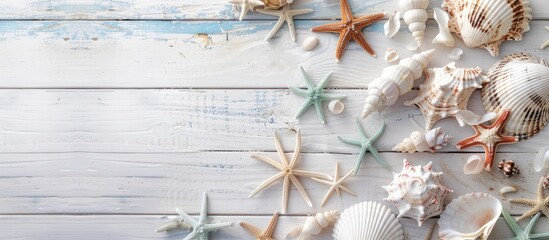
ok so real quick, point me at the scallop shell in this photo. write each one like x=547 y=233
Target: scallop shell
x=487 y=23
x=367 y=220
x=471 y=216
x=421 y=141
x=395 y=80
x=417 y=192
x=314 y=225
x=445 y=91
x=415 y=15
x=519 y=82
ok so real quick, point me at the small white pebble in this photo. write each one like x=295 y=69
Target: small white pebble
x=507 y=189
x=310 y=43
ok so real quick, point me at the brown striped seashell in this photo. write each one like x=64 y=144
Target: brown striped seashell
x=487 y=23
x=519 y=82
x=446 y=91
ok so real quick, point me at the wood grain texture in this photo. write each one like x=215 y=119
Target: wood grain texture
x=204 y=54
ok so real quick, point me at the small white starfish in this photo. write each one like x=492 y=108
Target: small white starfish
x=336 y=184
x=246 y=5
x=284 y=15
x=544 y=45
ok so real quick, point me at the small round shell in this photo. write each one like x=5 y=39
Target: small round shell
x=310 y=43
x=336 y=106
x=475 y=165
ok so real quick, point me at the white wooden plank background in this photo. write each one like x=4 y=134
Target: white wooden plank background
x=94 y=146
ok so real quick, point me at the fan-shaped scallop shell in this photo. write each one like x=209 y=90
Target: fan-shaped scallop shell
x=417 y=192
x=487 y=23
x=445 y=91
x=367 y=220
x=469 y=217
x=519 y=82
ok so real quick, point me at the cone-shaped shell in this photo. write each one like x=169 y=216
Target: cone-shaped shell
x=417 y=192
x=520 y=83
x=367 y=220
x=446 y=91
x=415 y=15
x=469 y=217
x=487 y=23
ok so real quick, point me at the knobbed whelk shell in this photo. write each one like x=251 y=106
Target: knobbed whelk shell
x=519 y=82
x=417 y=192
x=445 y=91
x=395 y=80
x=367 y=220
x=421 y=141
x=314 y=225
x=469 y=217
x=487 y=23
x=415 y=15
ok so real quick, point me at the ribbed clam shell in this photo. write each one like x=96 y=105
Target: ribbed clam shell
x=469 y=217
x=520 y=83
x=487 y=23
x=417 y=192
x=367 y=221
x=445 y=91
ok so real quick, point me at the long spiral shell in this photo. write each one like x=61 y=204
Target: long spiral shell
x=421 y=141
x=395 y=80
x=314 y=225
x=415 y=15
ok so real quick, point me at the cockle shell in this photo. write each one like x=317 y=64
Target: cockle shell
x=275 y=4
x=444 y=36
x=395 y=80
x=469 y=217
x=445 y=91
x=367 y=220
x=417 y=192
x=519 y=82
x=314 y=225
x=421 y=141
x=415 y=15
x=487 y=23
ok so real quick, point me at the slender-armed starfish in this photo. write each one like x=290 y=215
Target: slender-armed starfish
x=287 y=172
x=489 y=137
x=366 y=144
x=246 y=5
x=540 y=204
x=545 y=44
x=314 y=95
x=284 y=15
x=525 y=234
x=200 y=227
x=336 y=184
x=262 y=235
x=350 y=28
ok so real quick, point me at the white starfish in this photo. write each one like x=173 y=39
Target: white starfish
x=336 y=184
x=246 y=5
x=544 y=45
x=284 y=15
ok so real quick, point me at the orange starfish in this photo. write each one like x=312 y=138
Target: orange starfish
x=489 y=137
x=350 y=28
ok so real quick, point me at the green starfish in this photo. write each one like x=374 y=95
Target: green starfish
x=366 y=144
x=525 y=234
x=200 y=227
x=314 y=95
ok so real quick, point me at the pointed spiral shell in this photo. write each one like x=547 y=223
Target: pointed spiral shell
x=420 y=141
x=415 y=15
x=314 y=225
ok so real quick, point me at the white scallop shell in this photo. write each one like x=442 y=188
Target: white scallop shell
x=421 y=141
x=314 y=225
x=469 y=217
x=310 y=43
x=367 y=220
x=392 y=25
x=395 y=80
x=444 y=36
x=519 y=82
x=445 y=91
x=415 y=15
x=487 y=23
x=417 y=192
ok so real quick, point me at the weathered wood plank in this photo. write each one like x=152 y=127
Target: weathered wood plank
x=188 y=10
x=199 y=120
x=199 y=54
x=90 y=183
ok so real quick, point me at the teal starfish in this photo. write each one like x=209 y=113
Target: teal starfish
x=366 y=144
x=314 y=95
x=525 y=234
x=200 y=227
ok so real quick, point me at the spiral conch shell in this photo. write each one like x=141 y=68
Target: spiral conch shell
x=395 y=80
x=519 y=82
x=421 y=141
x=417 y=192
x=415 y=15
x=487 y=23
x=314 y=225
x=446 y=91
